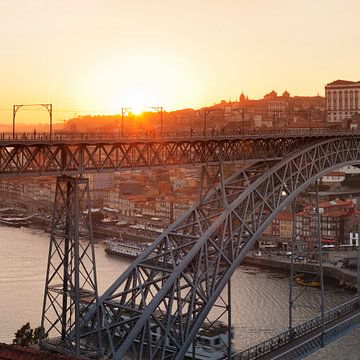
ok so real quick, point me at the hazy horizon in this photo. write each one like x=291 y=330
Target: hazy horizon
x=96 y=57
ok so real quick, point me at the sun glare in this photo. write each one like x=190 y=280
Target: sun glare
x=134 y=101
x=137 y=110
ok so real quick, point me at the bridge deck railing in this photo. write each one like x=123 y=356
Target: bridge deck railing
x=114 y=135
x=315 y=343
x=296 y=332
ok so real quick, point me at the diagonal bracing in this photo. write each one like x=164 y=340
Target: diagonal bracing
x=173 y=285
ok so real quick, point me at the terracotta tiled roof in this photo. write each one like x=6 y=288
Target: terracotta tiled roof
x=16 y=352
x=336 y=214
x=335 y=173
x=284 y=216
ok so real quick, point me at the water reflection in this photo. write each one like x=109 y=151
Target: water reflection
x=260 y=296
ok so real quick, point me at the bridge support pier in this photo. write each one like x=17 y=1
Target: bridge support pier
x=230 y=334
x=71 y=285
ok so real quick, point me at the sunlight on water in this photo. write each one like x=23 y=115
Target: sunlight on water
x=260 y=308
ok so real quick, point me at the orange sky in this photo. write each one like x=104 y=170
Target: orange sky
x=101 y=55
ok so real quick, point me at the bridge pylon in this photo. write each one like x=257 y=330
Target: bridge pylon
x=71 y=285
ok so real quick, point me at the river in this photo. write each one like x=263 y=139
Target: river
x=260 y=296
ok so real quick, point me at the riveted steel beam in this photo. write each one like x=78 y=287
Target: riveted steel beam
x=71 y=286
x=58 y=158
x=203 y=248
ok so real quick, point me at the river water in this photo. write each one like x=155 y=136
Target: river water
x=260 y=296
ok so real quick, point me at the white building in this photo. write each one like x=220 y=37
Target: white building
x=334 y=177
x=350 y=169
x=342 y=100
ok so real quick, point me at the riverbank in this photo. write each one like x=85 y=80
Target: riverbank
x=345 y=277
x=20 y=217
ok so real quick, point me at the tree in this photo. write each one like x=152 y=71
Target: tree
x=26 y=336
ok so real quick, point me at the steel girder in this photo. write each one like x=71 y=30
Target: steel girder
x=71 y=285
x=172 y=286
x=61 y=158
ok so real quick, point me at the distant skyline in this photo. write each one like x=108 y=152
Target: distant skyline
x=97 y=56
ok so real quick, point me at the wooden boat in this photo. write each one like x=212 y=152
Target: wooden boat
x=301 y=280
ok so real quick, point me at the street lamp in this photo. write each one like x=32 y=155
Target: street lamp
x=48 y=107
x=275 y=113
x=159 y=109
x=242 y=112
x=124 y=112
x=206 y=112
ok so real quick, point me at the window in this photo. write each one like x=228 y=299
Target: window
x=340 y=99
x=346 y=99
x=356 y=99
x=329 y=99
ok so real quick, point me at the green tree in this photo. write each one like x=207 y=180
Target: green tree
x=26 y=336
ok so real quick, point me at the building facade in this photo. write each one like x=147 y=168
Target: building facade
x=335 y=217
x=342 y=100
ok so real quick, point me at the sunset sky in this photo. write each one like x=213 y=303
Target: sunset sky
x=97 y=56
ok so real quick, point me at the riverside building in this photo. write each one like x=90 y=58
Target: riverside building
x=342 y=100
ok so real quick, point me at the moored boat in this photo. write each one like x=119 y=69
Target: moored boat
x=124 y=249
x=211 y=341
x=301 y=280
x=15 y=221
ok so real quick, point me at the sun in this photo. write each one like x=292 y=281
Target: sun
x=137 y=110
x=133 y=100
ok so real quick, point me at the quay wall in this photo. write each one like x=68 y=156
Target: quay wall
x=101 y=231
x=345 y=277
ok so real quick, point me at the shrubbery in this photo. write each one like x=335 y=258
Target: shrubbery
x=26 y=336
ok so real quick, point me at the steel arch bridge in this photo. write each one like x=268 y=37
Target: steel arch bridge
x=173 y=285
x=73 y=156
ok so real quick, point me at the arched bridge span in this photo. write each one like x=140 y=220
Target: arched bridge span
x=172 y=286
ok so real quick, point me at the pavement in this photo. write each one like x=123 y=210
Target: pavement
x=345 y=348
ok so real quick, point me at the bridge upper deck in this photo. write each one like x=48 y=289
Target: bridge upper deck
x=31 y=154
x=73 y=138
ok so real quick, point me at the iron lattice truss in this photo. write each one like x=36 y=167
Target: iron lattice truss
x=44 y=158
x=70 y=288
x=170 y=289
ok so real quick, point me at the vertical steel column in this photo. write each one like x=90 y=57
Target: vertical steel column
x=66 y=266
x=202 y=183
x=77 y=269
x=161 y=122
x=71 y=286
x=49 y=107
x=358 y=268
x=243 y=121
x=204 y=126
x=229 y=320
x=122 y=122
x=321 y=272
x=124 y=112
x=291 y=301
x=13 y=125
